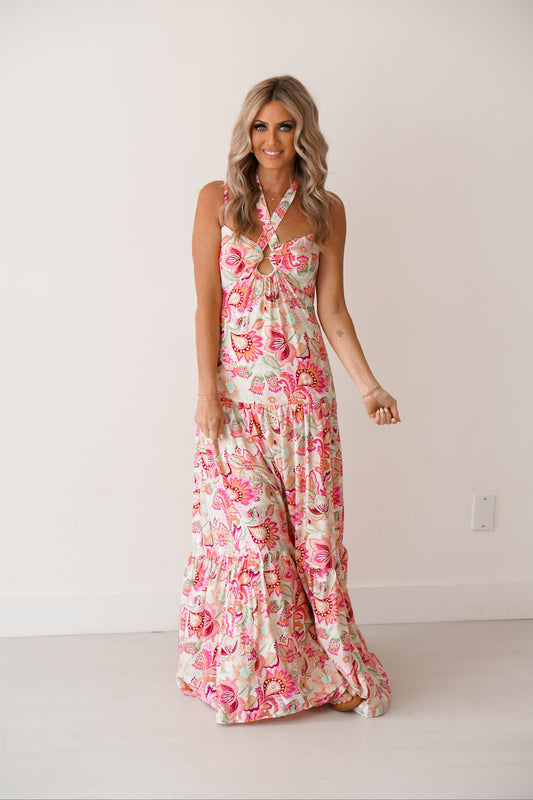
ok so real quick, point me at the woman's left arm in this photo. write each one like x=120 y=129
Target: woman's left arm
x=338 y=326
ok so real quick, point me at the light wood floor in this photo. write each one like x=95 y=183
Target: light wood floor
x=100 y=717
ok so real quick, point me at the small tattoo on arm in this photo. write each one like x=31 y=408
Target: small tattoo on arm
x=340 y=333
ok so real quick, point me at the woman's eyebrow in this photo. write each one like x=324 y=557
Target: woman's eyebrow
x=277 y=123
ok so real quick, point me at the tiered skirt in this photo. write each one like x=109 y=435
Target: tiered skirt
x=266 y=624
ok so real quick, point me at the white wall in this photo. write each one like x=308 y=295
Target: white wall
x=113 y=114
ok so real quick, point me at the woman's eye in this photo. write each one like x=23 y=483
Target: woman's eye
x=259 y=126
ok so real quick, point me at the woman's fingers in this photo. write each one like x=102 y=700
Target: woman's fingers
x=386 y=412
x=211 y=432
x=386 y=415
x=213 y=429
x=218 y=429
x=210 y=418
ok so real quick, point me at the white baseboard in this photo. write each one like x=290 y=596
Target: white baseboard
x=53 y=615
x=375 y=605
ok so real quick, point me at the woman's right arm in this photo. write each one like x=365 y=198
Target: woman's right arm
x=205 y=253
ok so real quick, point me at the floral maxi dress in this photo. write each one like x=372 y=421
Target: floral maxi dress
x=266 y=625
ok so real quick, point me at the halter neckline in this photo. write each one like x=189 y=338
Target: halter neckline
x=269 y=222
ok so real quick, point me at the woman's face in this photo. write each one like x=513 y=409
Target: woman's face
x=273 y=136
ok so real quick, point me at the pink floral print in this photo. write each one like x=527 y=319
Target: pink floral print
x=266 y=624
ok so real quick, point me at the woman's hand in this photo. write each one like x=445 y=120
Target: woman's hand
x=381 y=407
x=209 y=416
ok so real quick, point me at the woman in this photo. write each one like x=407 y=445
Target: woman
x=266 y=624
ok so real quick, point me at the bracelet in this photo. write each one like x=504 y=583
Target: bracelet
x=364 y=396
x=207 y=396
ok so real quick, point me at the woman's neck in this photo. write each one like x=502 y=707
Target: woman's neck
x=275 y=182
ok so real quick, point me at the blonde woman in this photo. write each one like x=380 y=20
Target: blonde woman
x=266 y=623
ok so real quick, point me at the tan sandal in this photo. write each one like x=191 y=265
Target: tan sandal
x=348 y=705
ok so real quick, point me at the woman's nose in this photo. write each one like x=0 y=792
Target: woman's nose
x=272 y=139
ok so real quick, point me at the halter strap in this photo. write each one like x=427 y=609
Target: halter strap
x=270 y=223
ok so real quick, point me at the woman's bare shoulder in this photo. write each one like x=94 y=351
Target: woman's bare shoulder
x=211 y=201
x=336 y=202
x=212 y=193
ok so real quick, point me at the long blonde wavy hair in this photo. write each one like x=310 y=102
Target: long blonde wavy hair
x=310 y=166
